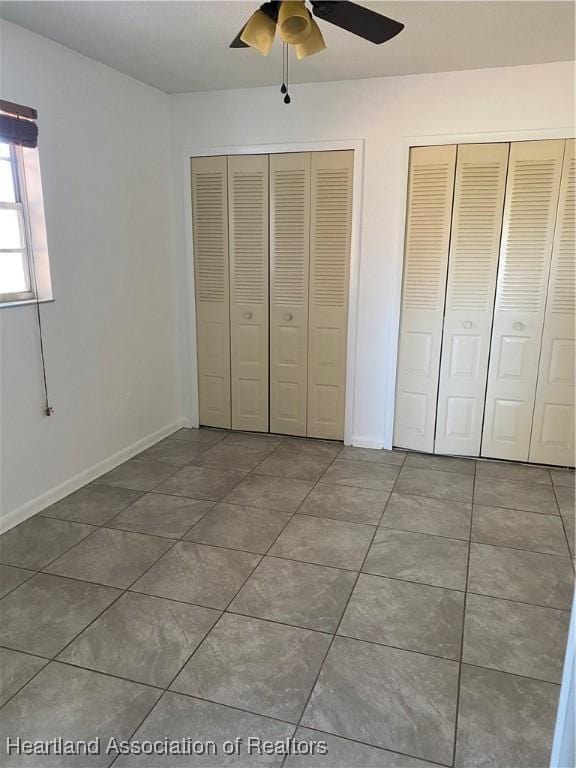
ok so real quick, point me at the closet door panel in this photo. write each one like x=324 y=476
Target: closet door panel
x=331 y=217
x=248 y=235
x=210 y=238
x=289 y=267
x=472 y=268
x=527 y=235
x=430 y=193
x=553 y=428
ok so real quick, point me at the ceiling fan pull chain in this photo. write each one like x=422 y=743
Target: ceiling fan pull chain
x=287 y=98
x=283 y=89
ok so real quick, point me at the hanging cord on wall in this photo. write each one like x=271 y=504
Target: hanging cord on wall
x=284 y=88
x=48 y=409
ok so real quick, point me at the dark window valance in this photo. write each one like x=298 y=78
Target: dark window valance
x=18 y=124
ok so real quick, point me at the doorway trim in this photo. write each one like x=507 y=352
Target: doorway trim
x=190 y=384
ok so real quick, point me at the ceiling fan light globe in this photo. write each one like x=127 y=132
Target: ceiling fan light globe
x=294 y=22
x=259 y=32
x=313 y=44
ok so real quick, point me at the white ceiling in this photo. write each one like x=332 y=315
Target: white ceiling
x=182 y=45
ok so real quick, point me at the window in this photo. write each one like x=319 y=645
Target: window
x=24 y=273
x=15 y=277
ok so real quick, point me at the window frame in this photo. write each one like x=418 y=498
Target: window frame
x=15 y=160
x=27 y=185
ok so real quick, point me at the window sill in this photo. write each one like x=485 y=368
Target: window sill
x=24 y=302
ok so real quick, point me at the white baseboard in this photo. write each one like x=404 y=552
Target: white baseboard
x=32 y=507
x=366 y=442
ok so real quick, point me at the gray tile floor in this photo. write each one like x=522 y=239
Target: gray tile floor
x=405 y=609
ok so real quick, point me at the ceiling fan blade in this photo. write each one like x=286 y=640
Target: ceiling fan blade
x=238 y=42
x=355 y=18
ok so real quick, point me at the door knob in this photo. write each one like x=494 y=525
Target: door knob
x=518 y=326
x=247 y=315
x=467 y=324
x=287 y=316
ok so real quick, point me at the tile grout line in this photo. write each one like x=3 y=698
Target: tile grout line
x=283 y=623
x=215 y=503
x=306 y=562
x=16 y=692
x=117 y=598
x=215 y=467
x=568 y=542
x=129 y=588
x=373 y=746
x=13 y=589
x=109 y=527
x=464 y=607
x=247 y=472
x=109 y=605
x=100 y=525
x=225 y=611
x=196 y=649
x=50 y=660
x=476 y=541
x=384 y=750
x=344 y=609
x=217 y=703
x=124 y=509
x=182 y=539
x=177 y=468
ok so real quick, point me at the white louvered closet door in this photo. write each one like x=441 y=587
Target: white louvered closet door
x=210 y=220
x=552 y=439
x=527 y=236
x=330 y=226
x=472 y=268
x=430 y=192
x=289 y=266
x=248 y=238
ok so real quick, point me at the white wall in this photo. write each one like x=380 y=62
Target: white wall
x=383 y=112
x=110 y=334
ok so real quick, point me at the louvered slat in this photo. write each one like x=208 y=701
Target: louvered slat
x=210 y=237
x=331 y=237
x=249 y=268
x=290 y=234
x=211 y=252
x=427 y=231
x=563 y=286
x=529 y=227
x=476 y=227
x=249 y=236
x=330 y=230
x=429 y=209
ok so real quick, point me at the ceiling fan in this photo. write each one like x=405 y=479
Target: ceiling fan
x=297 y=27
